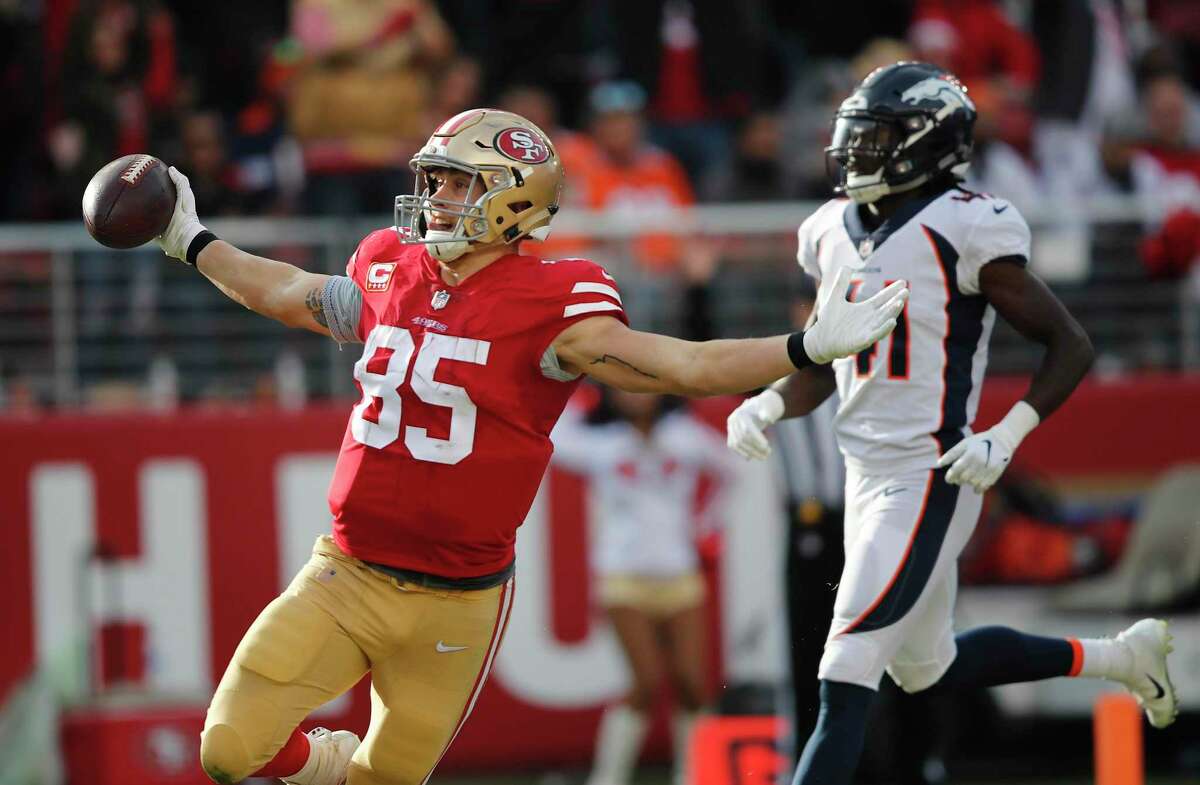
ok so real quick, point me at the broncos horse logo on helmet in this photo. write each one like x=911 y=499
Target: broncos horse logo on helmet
x=904 y=125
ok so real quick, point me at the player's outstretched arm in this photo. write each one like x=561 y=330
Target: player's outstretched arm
x=274 y=289
x=1030 y=307
x=610 y=352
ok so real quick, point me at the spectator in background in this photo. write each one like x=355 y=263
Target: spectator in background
x=577 y=151
x=1160 y=158
x=206 y=160
x=633 y=180
x=977 y=42
x=646 y=460
x=455 y=89
x=813 y=99
x=267 y=159
x=755 y=173
x=1164 y=160
x=999 y=64
x=1086 y=84
x=554 y=44
x=22 y=80
x=1179 y=21
x=361 y=94
x=118 y=83
x=700 y=64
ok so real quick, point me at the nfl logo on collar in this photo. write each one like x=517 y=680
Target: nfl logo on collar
x=440 y=299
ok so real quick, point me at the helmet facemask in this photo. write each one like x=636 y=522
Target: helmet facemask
x=862 y=148
x=413 y=211
x=873 y=154
x=514 y=183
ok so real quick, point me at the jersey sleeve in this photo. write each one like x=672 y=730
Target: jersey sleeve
x=999 y=232
x=585 y=290
x=357 y=270
x=806 y=246
x=577 y=289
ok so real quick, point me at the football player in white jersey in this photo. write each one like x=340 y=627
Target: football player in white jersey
x=916 y=473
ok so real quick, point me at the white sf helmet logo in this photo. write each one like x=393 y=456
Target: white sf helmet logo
x=530 y=150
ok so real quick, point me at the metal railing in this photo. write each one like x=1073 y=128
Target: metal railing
x=80 y=324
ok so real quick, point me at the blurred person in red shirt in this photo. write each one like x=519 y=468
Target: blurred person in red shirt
x=1164 y=167
x=976 y=41
x=1156 y=153
x=994 y=58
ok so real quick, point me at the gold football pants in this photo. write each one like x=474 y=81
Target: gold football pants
x=428 y=651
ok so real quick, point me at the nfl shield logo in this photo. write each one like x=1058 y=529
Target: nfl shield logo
x=440 y=298
x=866 y=247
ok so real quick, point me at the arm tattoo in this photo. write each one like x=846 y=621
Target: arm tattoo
x=608 y=357
x=312 y=301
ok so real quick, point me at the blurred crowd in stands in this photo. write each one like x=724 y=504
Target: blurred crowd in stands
x=314 y=107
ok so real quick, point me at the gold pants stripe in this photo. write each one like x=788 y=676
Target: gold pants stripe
x=506 y=595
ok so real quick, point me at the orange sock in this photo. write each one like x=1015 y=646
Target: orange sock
x=288 y=760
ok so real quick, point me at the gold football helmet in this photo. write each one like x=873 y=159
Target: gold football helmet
x=520 y=171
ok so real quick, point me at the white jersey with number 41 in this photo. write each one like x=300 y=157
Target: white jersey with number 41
x=915 y=393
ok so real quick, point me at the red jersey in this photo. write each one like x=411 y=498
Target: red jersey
x=444 y=453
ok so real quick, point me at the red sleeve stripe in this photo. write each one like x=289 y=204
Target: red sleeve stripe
x=596 y=288
x=578 y=308
x=1076 y=657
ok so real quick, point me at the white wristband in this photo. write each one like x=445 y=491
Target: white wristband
x=1020 y=420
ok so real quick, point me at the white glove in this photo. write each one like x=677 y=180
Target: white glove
x=184 y=224
x=744 y=428
x=981 y=458
x=844 y=328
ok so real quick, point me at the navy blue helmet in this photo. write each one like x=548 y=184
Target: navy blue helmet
x=906 y=124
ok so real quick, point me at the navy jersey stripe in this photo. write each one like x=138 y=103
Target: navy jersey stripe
x=913 y=573
x=964 y=318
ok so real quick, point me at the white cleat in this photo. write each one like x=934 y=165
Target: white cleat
x=1150 y=643
x=328 y=758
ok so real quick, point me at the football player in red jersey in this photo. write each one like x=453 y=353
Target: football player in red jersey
x=471 y=352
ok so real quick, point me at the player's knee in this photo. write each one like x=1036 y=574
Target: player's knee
x=223 y=755
x=853 y=659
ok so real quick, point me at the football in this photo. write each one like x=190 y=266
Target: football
x=129 y=201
